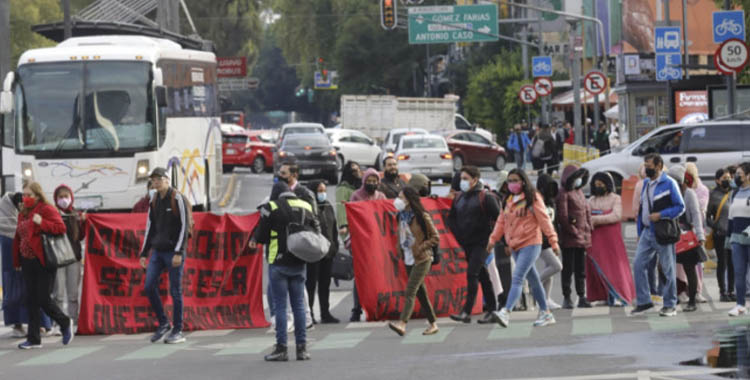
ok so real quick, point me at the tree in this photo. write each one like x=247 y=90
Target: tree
x=23 y=15
x=234 y=26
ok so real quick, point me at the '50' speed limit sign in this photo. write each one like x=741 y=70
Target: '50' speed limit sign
x=527 y=94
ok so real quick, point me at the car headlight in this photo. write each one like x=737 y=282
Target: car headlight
x=141 y=170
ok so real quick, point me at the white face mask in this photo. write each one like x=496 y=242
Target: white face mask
x=151 y=193
x=64 y=202
x=322 y=197
x=465 y=185
x=399 y=204
x=577 y=183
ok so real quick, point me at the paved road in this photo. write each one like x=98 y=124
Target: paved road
x=585 y=343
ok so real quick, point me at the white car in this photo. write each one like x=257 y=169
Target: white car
x=425 y=154
x=300 y=128
x=352 y=145
x=393 y=137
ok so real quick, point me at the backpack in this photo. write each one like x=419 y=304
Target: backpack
x=188 y=210
x=482 y=196
x=303 y=241
x=538 y=149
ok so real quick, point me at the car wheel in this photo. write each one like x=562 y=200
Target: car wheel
x=227 y=168
x=259 y=164
x=458 y=163
x=339 y=163
x=333 y=178
x=499 y=163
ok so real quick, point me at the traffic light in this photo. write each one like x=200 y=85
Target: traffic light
x=388 y=14
x=324 y=75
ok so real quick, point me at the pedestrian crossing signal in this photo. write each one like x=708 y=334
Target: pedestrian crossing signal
x=388 y=14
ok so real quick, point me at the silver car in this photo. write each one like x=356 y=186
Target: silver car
x=425 y=154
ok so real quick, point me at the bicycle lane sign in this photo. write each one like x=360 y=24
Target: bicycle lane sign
x=728 y=25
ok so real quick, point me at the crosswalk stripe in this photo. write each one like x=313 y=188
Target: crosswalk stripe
x=739 y=321
x=61 y=356
x=341 y=340
x=126 y=338
x=415 y=336
x=209 y=333
x=248 y=346
x=592 y=326
x=3 y=352
x=590 y=311
x=514 y=331
x=154 y=351
x=659 y=323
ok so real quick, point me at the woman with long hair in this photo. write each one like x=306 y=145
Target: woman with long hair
x=522 y=222
x=416 y=238
x=38 y=217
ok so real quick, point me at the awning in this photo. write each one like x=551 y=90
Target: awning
x=566 y=98
x=612 y=113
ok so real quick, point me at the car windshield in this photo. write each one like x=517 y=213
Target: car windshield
x=234 y=139
x=84 y=106
x=266 y=137
x=424 y=143
x=302 y=129
x=397 y=136
x=292 y=142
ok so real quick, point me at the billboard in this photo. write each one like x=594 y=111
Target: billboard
x=690 y=105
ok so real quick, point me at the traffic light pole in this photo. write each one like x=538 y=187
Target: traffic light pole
x=731 y=90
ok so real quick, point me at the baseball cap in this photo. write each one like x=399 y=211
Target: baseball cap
x=158 y=172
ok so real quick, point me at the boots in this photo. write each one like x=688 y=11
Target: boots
x=583 y=302
x=279 y=354
x=567 y=303
x=302 y=352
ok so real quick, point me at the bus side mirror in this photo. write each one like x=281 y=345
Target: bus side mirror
x=161 y=96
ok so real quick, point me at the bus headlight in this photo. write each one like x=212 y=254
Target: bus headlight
x=141 y=171
x=27 y=171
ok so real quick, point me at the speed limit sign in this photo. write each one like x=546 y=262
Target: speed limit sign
x=527 y=94
x=733 y=54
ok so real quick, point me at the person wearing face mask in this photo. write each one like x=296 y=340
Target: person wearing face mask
x=143 y=203
x=738 y=230
x=391 y=184
x=69 y=277
x=660 y=199
x=470 y=219
x=608 y=271
x=574 y=219
x=289 y=173
x=38 y=217
x=351 y=180
x=319 y=273
x=717 y=218
x=417 y=237
x=519 y=143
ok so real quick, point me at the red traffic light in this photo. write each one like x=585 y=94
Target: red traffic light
x=388 y=14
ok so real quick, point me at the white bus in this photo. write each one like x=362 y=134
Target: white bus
x=99 y=113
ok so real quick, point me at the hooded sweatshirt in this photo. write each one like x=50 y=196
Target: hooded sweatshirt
x=72 y=220
x=361 y=194
x=573 y=213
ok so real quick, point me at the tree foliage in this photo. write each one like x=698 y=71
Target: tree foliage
x=234 y=26
x=23 y=15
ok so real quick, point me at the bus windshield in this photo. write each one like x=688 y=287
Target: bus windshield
x=84 y=106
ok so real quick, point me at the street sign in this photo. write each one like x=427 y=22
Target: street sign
x=728 y=25
x=541 y=66
x=527 y=94
x=448 y=24
x=543 y=86
x=733 y=54
x=595 y=82
x=720 y=66
x=237 y=84
x=231 y=67
x=326 y=82
x=668 y=67
x=667 y=39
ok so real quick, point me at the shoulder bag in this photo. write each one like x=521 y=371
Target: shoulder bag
x=58 y=252
x=666 y=231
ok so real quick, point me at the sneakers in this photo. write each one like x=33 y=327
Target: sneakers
x=700 y=298
x=583 y=302
x=667 y=312
x=279 y=354
x=567 y=303
x=689 y=308
x=737 y=310
x=160 y=332
x=552 y=305
x=640 y=309
x=175 y=337
x=328 y=319
x=502 y=317
x=725 y=298
x=55 y=331
x=18 y=332
x=68 y=334
x=302 y=353
x=28 y=345
x=683 y=298
x=544 y=319
x=486 y=319
x=657 y=300
x=461 y=317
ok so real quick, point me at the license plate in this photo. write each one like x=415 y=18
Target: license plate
x=231 y=151
x=89 y=203
x=308 y=171
x=427 y=170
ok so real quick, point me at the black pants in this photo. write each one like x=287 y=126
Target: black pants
x=319 y=274
x=504 y=268
x=476 y=273
x=39 y=281
x=724 y=268
x=692 y=281
x=574 y=263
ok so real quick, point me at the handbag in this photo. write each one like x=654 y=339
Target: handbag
x=58 y=252
x=710 y=237
x=305 y=242
x=688 y=241
x=343 y=266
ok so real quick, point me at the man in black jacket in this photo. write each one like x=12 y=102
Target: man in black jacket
x=391 y=184
x=470 y=220
x=287 y=271
x=319 y=273
x=167 y=235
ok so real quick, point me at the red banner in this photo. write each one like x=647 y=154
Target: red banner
x=379 y=270
x=221 y=283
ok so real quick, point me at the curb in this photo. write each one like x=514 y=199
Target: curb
x=230 y=190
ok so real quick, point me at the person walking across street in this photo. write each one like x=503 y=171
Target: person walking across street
x=167 y=229
x=574 y=219
x=38 y=217
x=319 y=273
x=523 y=221
x=739 y=235
x=717 y=218
x=470 y=219
x=68 y=278
x=287 y=271
x=660 y=199
x=391 y=184
x=417 y=238
x=519 y=144
x=548 y=189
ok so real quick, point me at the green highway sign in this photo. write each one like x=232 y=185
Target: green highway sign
x=449 y=24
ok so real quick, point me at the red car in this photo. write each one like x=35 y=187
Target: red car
x=250 y=148
x=471 y=148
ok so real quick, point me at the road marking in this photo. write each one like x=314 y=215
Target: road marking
x=4 y=352
x=415 y=336
x=61 y=355
x=248 y=346
x=592 y=326
x=659 y=323
x=514 y=331
x=590 y=311
x=126 y=337
x=154 y=351
x=229 y=191
x=209 y=333
x=341 y=340
x=641 y=374
x=366 y=325
x=739 y=321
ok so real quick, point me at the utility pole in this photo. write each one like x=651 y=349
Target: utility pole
x=5 y=50
x=730 y=79
x=525 y=63
x=668 y=21
x=606 y=93
x=67 y=29
x=576 y=78
x=545 y=99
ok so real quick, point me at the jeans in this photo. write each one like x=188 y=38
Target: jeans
x=157 y=264
x=740 y=258
x=39 y=280
x=415 y=289
x=552 y=266
x=520 y=159
x=525 y=259
x=289 y=281
x=476 y=273
x=647 y=249
x=66 y=287
x=574 y=265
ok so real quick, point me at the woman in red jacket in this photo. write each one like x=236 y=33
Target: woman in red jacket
x=38 y=216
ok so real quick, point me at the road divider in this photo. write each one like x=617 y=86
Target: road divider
x=229 y=192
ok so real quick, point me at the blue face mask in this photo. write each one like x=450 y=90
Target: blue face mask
x=465 y=186
x=322 y=197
